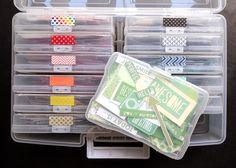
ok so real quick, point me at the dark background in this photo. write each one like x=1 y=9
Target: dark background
x=36 y=156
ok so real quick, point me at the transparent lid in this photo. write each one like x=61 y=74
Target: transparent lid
x=125 y=7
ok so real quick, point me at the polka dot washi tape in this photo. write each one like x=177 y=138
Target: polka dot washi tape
x=61 y=121
x=63 y=21
x=63 y=40
x=175 y=22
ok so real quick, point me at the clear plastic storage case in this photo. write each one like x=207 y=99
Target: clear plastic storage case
x=49 y=43
x=40 y=103
x=159 y=43
x=88 y=84
x=87 y=24
x=35 y=123
x=95 y=64
x=192 y=24
x=59 y=63
x=188 y=64
x=79 y=84
x=54 y=103
x=76 y=39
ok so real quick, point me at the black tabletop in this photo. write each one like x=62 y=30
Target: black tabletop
x=36 y=156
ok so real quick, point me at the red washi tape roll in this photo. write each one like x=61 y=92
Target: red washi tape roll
x=63 y=40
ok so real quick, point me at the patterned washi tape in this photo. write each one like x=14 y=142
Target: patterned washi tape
x=63 y=40
x=63 y=60
x=63 y=21
x=61 y=121
x=174 y=61
x=63 y=63
x=174 y=22
x=174 y=41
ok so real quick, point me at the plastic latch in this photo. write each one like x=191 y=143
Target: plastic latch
x=109 y=152
x=61 y=89
x=175 y=30
x=62 y=109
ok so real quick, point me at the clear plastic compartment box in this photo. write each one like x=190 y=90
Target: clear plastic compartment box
x=206 y=62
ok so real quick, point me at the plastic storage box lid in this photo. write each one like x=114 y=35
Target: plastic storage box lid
x=125 y=7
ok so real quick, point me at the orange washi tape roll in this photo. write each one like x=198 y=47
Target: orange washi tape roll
x=62 y=81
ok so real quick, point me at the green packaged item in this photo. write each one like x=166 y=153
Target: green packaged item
x=148 y=105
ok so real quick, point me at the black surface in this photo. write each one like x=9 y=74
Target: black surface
x=35 y=156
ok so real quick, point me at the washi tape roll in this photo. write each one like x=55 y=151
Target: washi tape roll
x=174 y=41
x=63 y=60
x=63 y=40
x=174 y=61
x=62 y=81
x=174 y=22
x=61 y=121
x=63 y=20
x=63 y=63
x=62 y=100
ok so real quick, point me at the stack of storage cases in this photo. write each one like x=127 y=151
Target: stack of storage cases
x=56 y=70
x=192 y=48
